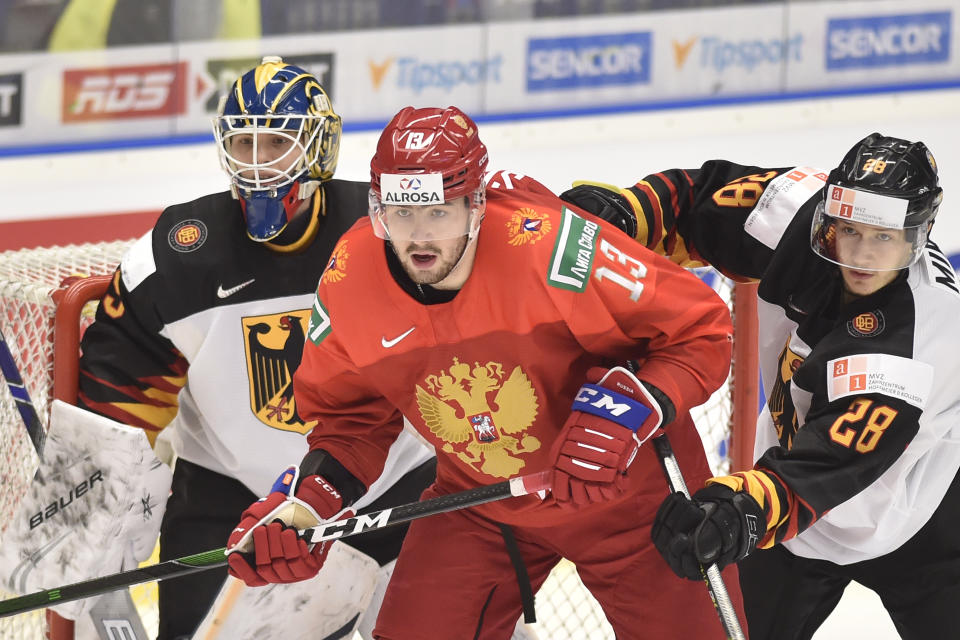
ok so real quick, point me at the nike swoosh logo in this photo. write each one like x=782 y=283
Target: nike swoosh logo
x=226 y=293
x=389 y=343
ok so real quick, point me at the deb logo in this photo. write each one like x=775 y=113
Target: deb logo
x=417 y=75
x=124 y=92
x=886 y=41
x=11 y=90
x=589 y=61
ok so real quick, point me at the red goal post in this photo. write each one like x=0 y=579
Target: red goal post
x=48 y=296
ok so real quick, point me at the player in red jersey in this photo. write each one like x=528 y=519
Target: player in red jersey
x=484 y=341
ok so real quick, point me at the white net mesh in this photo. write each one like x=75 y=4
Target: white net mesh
x=565 y=609
x=28 y=278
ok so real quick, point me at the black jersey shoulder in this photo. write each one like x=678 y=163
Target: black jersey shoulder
x=203 y=257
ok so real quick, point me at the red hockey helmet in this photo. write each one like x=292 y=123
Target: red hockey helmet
x=428 y=156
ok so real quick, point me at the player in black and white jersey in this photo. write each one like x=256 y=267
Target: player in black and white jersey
x=858 y=447
x=203 y=327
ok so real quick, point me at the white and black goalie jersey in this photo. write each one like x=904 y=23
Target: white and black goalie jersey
x=202 y=329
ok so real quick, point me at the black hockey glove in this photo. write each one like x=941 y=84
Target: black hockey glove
x=605 y=202
x=718 y=526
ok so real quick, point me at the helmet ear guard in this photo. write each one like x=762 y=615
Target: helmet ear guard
x=278 y=138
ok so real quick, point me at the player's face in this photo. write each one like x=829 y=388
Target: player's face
x=274 y=153
x=429 y=240
x=876 y=252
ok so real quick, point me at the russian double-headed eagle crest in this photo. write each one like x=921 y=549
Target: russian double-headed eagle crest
x=336 y=268
x=274 y=346
x=526 y=226
x=481 y=414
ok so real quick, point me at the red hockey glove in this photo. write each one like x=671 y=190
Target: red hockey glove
x=609 y=422
x=718 y=526
x=266 y=547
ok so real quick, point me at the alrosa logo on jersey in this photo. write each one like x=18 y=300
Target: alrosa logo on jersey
x=274 y=346
x=589 y=61
x=718 y=53
x=889 y=40
x=11 y=90
x=889 y=375
x=113 y=93
x=527 y=226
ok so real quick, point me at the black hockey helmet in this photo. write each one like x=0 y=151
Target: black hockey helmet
x=893 y=167
x=881 y=182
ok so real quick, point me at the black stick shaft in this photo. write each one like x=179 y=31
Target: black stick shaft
x=340 y=529
x=711 y=575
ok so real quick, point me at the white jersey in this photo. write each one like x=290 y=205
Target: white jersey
x=202 y=330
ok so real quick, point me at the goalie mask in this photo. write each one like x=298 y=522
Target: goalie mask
x=278 y=138
x=878 y=205
x=427 y=177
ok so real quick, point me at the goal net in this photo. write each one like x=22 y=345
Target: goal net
x=47 y=297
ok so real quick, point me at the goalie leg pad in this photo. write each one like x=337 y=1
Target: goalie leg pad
x=330 y=604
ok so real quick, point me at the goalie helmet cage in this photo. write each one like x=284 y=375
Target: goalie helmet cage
x=48 y=296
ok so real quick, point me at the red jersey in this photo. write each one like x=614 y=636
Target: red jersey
x=489 y=377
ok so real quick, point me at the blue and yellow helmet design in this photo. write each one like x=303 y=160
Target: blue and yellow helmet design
x=278 y=137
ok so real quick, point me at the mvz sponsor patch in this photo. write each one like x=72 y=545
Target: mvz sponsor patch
x=572 y=259
x=894 y=376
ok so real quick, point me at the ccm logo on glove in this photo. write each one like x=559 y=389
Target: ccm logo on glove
x=609 y=404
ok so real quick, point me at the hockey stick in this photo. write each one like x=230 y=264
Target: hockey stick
x=711 y=574
x=520 y=486
x=8 y=367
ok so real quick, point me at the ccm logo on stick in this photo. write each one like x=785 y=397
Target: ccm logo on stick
x=333 y=530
